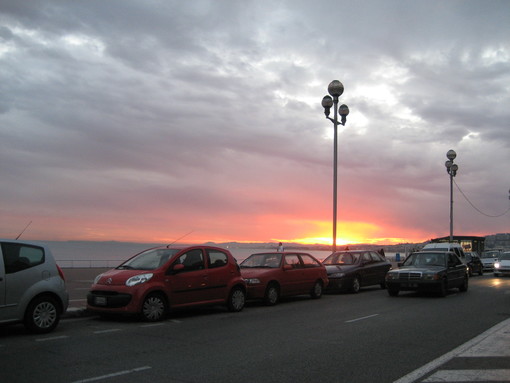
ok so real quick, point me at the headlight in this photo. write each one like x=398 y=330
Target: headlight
x=138 y=279
x=252 y=281
x=496 y=265
x=336 y=275
x=98 y=278
x=430 y=277
x=390 y=276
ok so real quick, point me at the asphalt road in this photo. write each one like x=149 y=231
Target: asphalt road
x=367 y=337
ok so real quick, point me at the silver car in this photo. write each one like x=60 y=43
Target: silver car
x=32 y=286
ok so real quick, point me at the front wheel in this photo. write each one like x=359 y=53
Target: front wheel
x=154 y=308
x=272 y=295
x=356 y=285
x=464 y=285
x=316 y=292
x=236 y=299
x=42 y=315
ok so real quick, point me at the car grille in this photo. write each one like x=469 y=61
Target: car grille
x=410 y=275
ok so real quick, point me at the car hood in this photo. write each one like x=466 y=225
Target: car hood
x=416 y=269
x=119 y=277
x=332 y=269
x=257 y=272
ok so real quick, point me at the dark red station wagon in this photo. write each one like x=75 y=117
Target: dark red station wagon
x=157 y=279
x=272 y=275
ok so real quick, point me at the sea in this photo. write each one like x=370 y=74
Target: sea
x=109 y=254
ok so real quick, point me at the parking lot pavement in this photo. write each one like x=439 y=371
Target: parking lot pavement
x=485 y=358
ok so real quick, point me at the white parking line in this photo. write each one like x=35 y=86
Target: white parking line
x=152 y=325
x=112 y=375
x=107 y=331
x=362 y=318
x=52 y=338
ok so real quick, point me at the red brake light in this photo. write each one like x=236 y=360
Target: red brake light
x=61 y=273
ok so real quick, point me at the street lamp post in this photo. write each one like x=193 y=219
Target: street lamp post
x=451 y=169
x=335 y=89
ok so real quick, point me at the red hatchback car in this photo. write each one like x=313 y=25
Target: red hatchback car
x=272 y=275
x=157 y=279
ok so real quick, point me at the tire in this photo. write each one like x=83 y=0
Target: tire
x=393 y=292
x=42 y=315
x=154 y=308
x=464 y=287
x=442 y=289
x=480 y=272
x=383 y=285
x=356 y=285
x=272 y=294
x=236 y=299
x=317 y=289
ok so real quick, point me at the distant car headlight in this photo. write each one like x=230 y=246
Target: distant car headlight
x=138 y=279
x=252 y=281
x=97 y=278
x=497 y=265
x=336 y=275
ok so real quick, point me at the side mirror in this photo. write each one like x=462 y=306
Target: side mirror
x=176 y=269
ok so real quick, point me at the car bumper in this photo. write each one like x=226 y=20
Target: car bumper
x=338 y=284
x=505 y=271
x=414 y=285
x=114 y=300
x=255 y=291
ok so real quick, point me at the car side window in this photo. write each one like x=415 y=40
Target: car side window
x=293 y=260
x=216 y=258
x=453 y=260
x=309 y=262
x=376 y=257
x=20 y=257
x=366 y=258
x=192 y=260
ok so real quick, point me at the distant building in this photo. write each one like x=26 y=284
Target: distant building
x=468 y=243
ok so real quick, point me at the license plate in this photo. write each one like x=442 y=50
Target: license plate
x=100 y=301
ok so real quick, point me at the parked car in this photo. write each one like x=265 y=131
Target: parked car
x=474 y=263
x=428 y=271
x=32 y=286
x=272 y=275
x=353 y=269
x=157 y=279
x=502 y=265
x=454 y=247
x=489 y=258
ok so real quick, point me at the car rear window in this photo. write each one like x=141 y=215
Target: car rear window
x=19 y=257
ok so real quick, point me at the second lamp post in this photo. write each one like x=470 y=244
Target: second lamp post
x=335 y=89
x=451 y=169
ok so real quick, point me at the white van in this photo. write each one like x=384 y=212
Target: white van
x=446 y=246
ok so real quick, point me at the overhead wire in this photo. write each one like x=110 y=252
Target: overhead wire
x=478 y=210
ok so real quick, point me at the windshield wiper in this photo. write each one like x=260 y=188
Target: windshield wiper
x=125 y=267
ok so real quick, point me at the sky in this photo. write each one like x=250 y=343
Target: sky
x=151 y=121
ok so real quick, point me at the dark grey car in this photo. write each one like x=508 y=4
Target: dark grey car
x=429 y=271
x=352 y=269
x=32 y=286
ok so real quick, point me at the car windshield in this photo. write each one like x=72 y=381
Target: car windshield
x=149 y=260
x=426 y=259
x=490 y=255
x=270 y=261
x=342 y=258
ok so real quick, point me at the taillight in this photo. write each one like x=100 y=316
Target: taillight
x=61 y=273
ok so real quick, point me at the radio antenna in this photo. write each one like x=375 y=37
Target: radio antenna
x=178 y=239
x=22 y=231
